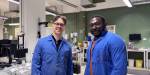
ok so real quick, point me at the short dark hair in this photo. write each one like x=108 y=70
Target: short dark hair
x=100 y=18
x=59 y=16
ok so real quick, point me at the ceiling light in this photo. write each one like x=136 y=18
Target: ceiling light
x=13 y=1
x=128 y=3
x=3 y=17
x=13 y=24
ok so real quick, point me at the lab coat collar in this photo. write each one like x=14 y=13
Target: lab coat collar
x=102 y=36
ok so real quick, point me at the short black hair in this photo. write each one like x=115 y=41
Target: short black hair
x=100 y=18
x=60 y=16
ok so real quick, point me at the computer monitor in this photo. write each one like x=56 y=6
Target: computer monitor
x=134 y=37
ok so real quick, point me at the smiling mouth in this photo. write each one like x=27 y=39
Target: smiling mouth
x=59 y=29
x=96 y=32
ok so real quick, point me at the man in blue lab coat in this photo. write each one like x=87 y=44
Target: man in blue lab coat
x=106 y=53
x=52 y=54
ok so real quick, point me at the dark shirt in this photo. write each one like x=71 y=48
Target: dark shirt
x=57 y=43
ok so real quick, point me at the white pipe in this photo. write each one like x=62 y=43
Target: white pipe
x=128 y=3
x=50 y=13
x=13 y=1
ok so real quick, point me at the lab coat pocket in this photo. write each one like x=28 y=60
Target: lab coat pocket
x=65 y=55
x=103 y=56
x=49 y=58
x=100 y=59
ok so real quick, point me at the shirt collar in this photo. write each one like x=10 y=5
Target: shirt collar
x=50 y=38
x=55 y=39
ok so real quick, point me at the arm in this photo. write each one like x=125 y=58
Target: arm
x=119 y=58
x=87 y=67
x=36 y=61
x=70 y=65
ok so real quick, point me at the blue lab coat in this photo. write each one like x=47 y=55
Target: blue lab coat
x=48 y=61
x=109 y=56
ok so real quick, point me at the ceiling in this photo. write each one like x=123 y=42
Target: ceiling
x=70 y=9
x=65 y=8
x=10 y=9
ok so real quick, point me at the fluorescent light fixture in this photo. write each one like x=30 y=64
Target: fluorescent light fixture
x=13 y=1
x=128 y=3
x=13 y=24
x=50 y=13
x=4 y=18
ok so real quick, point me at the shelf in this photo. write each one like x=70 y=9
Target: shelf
x=137 y=55
x=138 y=68
x=136 y=50
x=138 y=71
x=75 y=52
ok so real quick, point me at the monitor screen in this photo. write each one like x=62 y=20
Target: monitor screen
x=134 y=37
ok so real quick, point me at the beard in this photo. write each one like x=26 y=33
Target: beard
x=96 y=32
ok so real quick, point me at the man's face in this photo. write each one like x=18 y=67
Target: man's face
x=96 y=26
x=58 y=26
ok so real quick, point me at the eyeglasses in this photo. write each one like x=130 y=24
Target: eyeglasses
x=60 y=24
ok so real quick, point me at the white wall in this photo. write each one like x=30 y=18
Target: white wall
x=3 y=6
x=1 y=29
x=32 y=10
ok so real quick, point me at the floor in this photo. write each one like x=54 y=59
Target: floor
x=23 y=72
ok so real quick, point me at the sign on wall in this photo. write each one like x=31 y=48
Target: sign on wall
x=111 y=28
